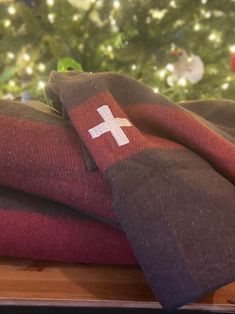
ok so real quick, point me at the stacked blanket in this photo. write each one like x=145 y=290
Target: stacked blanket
x=126 y=177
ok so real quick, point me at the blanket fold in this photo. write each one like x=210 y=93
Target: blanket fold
x=36 y=228
x=128 y=177
x=41 y=155
x=172 y=176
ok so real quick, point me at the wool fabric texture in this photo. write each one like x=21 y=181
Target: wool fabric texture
x=39 y=224
x=40 y=229
x=164 y=175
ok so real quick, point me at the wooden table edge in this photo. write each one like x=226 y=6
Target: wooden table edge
x=112 y=304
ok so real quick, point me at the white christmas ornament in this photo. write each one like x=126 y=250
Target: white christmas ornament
x=190 y=68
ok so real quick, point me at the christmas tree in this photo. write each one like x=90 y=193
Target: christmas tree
x=185 y=49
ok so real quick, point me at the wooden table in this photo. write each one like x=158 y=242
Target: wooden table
x=27 y=282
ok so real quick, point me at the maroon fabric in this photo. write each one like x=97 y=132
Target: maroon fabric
x=32 y=227
x=193 y=133
x=172 y=179
x=41 y=154
x=170 y=188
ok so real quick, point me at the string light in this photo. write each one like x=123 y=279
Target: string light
x=10 y=55
x=12 y=83
x=173 y=4
x=156 y=89
x=51 y=17
x=50 y=3
x=41 y=67
x=207 y=14
x=41 y=85
x=26 y=57
x=170 y=67
x=157 y=14
x=7 y=23
x=225 y=86
x=99 y=3
x=162 y=73
x=110 y=48
x=109 y=51
x=214 y=37
x=197 y=27
x=75 y=17
x=232 y=49
x=182 y=81
x=116 y=4
x=11 y=10
x=29 y=70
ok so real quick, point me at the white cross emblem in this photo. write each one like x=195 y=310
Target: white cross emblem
x=112 y=125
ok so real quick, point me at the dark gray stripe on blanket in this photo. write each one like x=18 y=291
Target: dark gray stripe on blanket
x=30 y=111
x=73 y=88
x=218 y=114
x=179 y=216
x=82 y=86
x=17 y=200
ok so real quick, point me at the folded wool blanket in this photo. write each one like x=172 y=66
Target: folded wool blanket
x=36 y=228
x=165 y=173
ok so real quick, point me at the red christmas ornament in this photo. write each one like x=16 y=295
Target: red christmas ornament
x=233 y=62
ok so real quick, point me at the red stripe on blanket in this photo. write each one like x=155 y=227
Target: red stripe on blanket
x=189 y=131
x=85 y=116
x=32 y=234
x=46 y=160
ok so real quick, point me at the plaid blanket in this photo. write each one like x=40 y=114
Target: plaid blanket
x=162 y=173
